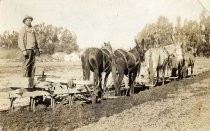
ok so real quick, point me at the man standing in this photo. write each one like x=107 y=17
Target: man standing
x=27 y=43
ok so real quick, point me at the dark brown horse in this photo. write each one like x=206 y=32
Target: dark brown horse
x=127 y=63
x=98 y=61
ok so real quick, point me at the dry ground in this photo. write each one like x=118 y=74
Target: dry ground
x=179 y=105
x=187 y=108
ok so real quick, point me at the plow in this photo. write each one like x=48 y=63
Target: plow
x=44 y=89
x=68 y=90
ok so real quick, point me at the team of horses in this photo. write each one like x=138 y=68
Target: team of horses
x=158 y=60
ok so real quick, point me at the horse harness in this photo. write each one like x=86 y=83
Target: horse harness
x=108 y=55
x=165 y=62
x=124 y=57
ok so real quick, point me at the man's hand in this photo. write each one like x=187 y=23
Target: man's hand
x=37 y=52
x=24 y=52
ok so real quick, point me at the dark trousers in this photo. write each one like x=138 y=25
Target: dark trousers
x=29 y=64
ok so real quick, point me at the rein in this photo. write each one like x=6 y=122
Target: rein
x=108 y=55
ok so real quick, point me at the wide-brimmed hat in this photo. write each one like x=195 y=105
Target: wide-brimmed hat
x=27 y=17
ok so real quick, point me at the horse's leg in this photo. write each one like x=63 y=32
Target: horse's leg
x=179 y=74
x=105 y=80
x=133 y=78
x=130 y=83
x=100 y=80
x=151 y=72
x=166 y=71
x=96 y=77
x=158 y=76
x=183 y=69
x=120 y=78
x=121 y=72
x=100 y=90
x=163 y=75
x=186 y=72
x=179 y=71
x=151 y=76
x=172 y=72
x=192 y=70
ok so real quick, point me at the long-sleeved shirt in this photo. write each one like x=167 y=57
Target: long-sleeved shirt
x=27 y=38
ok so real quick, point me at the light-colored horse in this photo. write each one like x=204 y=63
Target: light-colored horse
x=156 y=60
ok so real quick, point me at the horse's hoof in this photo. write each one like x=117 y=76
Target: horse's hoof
x=94 y=99
x=99 y=100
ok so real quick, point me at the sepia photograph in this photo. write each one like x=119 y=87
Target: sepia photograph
x=104 y=65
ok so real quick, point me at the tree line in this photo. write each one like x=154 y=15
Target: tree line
x=193 y=34
x=58 y=39
x=51 y=39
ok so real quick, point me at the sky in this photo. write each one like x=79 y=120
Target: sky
x=98 y=21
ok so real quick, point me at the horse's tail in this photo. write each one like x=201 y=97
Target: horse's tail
x=85 y=67
x=114 y=71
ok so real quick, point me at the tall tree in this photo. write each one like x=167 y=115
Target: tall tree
x=160 y=30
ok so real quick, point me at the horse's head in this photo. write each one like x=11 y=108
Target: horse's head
x=192 y=51
x=195 y=52
x=171 y=61
x=107 y=50
x=141 y=48
x=107 y=45
x=154 y=39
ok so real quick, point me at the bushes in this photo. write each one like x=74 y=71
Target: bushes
x=204 y=49
x=54 y=39
x=9 y=40
x=160 y=30
x=50 y=39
